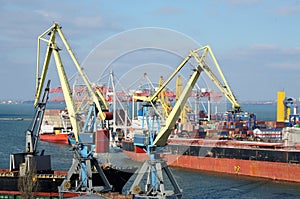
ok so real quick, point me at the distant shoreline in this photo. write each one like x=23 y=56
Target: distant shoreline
x=15 y=118
x=31 y=102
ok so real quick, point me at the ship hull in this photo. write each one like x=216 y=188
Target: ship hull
x=47 y=184
x=60 y=138
x=272 y=170
x=277 y=164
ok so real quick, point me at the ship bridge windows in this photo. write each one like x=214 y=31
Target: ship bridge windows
x=272 y=156
x=247 y=154
x=194 y=150
x=218 y=152
x=231 y=153
x=293 y=157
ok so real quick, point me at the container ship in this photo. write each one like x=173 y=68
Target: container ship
x=270 y=150
x=259 y=159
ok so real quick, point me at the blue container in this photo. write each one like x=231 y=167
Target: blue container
x=202 y=134
x=140 y=139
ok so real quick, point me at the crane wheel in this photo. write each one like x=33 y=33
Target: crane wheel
x=34 y=179
x=67 y=185
x=137 y=189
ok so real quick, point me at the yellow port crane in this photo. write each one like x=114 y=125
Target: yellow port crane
x=52 y=48
x=200 y=55
x=164 y=99
x=155 y=165
x=186 y=108
x=83 y=161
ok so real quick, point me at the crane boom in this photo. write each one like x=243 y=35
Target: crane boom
x=165 y=131
x=95 y=96
x=200 y=56
x=224 y=87
x=52 y=48
x=163 y=86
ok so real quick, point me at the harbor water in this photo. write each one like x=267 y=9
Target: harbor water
x=15 y=119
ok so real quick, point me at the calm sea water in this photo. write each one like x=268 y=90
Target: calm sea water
x=195 y=184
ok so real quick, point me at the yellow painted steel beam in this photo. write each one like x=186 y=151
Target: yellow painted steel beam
x=280 y=106
x=160 y=89
x=156 y=95
x=224 y=87
x=178 y=87
x=40 y=37
x=202 y=65
x=183 y=114
x=52 y=48
x=67 y=93
x=163 y=135
x=41 y=79
x=164 y=99
x=96 y=98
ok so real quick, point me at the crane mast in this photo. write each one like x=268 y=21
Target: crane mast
x=31 y=160
x=32 y=134
x=155 y=167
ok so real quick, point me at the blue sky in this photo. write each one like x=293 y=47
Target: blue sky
x=257 y=43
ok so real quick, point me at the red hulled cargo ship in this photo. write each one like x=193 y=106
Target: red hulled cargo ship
x=277 y=159
x=56 y=126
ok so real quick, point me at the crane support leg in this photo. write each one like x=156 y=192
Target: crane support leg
x=157 y=190
x=79 y=177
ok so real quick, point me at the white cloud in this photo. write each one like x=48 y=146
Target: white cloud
x=287 y=10
x=270 y=66
x=264 y=47
x=286 y=65
x=243 y=2
x=48 y=15
x=90 y=22
x=96 y=22
x=268 y=50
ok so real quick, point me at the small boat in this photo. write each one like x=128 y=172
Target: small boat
x=55 y=127
x=61 y=137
